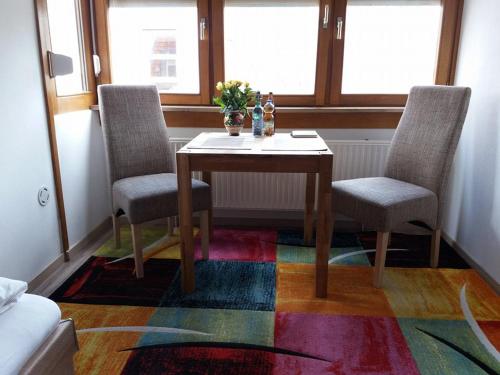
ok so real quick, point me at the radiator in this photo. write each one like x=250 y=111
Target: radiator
x=286 y=191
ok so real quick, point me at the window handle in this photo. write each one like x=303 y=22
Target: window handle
x=97 y=65
x=340 y=25
x=203 y=27
x=59 y=65
x=326 y=16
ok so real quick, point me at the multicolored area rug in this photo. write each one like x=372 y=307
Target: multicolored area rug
x=254 y=310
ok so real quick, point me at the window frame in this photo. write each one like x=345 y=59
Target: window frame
x=67 y=103
x=102 y=30
x=60 y=104
x=322 y=58
x=329 y=61
x=445 y=64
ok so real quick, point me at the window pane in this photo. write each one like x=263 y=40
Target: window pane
x=155 y=42
x=66 y=38
x=276 y=50
x=390 y=45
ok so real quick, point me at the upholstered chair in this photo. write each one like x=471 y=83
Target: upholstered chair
x=141 y=173
x=416 y=172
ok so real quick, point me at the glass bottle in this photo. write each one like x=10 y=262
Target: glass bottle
x=269 y=115
x=257 y=116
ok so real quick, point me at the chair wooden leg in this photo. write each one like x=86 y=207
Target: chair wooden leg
x=389 y=240
x=435 y=241
x=137 y=244
x=205 y=233
x=170 y=226
x=382 y=240
x=116 y=231
x=210 y=223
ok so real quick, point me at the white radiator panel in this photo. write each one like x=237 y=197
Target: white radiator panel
x=286 y=191
x=354 y=159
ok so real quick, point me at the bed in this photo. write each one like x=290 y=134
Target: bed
x=34 y=340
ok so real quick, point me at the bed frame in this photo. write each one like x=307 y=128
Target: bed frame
x=55 y=355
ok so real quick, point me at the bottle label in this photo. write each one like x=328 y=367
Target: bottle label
x=257 y=127
x=269 y=127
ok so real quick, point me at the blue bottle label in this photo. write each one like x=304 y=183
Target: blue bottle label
x=257 y=122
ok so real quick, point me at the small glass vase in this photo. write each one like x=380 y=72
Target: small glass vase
x=234 y=121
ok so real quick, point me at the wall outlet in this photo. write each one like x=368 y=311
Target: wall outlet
x=43 y=196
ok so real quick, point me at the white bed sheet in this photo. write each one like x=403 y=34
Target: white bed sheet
x=23 y=328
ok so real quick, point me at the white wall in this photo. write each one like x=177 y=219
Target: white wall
x=83 y=172
x=473 y=212
x=29 y=233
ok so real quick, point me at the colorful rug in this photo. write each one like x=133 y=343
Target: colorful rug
x=254 y=310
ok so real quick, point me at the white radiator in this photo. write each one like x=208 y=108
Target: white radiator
x=286 y=191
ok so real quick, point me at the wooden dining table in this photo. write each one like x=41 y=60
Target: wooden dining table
x=281 y=153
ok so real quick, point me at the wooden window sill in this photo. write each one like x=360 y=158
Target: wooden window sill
x=189 y=108
x=290 y=117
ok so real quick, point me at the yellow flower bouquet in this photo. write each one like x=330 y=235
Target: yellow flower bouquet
x=233 y=100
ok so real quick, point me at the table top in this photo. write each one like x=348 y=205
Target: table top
x=246 y=144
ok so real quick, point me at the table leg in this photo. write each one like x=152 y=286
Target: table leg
x=186 y=222
x=207 y=177
x=324 y=223
x=309 y=207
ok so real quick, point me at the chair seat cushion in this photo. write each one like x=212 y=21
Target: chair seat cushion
x=150 y=197
x=382 y=203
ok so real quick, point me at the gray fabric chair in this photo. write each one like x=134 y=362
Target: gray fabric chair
x=143 y=184
x=417 y=168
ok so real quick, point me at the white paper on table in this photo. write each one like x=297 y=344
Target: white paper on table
x=288 y=143
x=224 y=143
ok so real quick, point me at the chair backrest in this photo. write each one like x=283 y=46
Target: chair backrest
x=135 y=134
x=426 y=138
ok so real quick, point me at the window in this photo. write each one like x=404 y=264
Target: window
x=272 y=44
x=163 y=68
x=390 y=45
x=65 y=28
x=353 y=53
x=66 y=38
x=163 y=59
x=155 y=42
